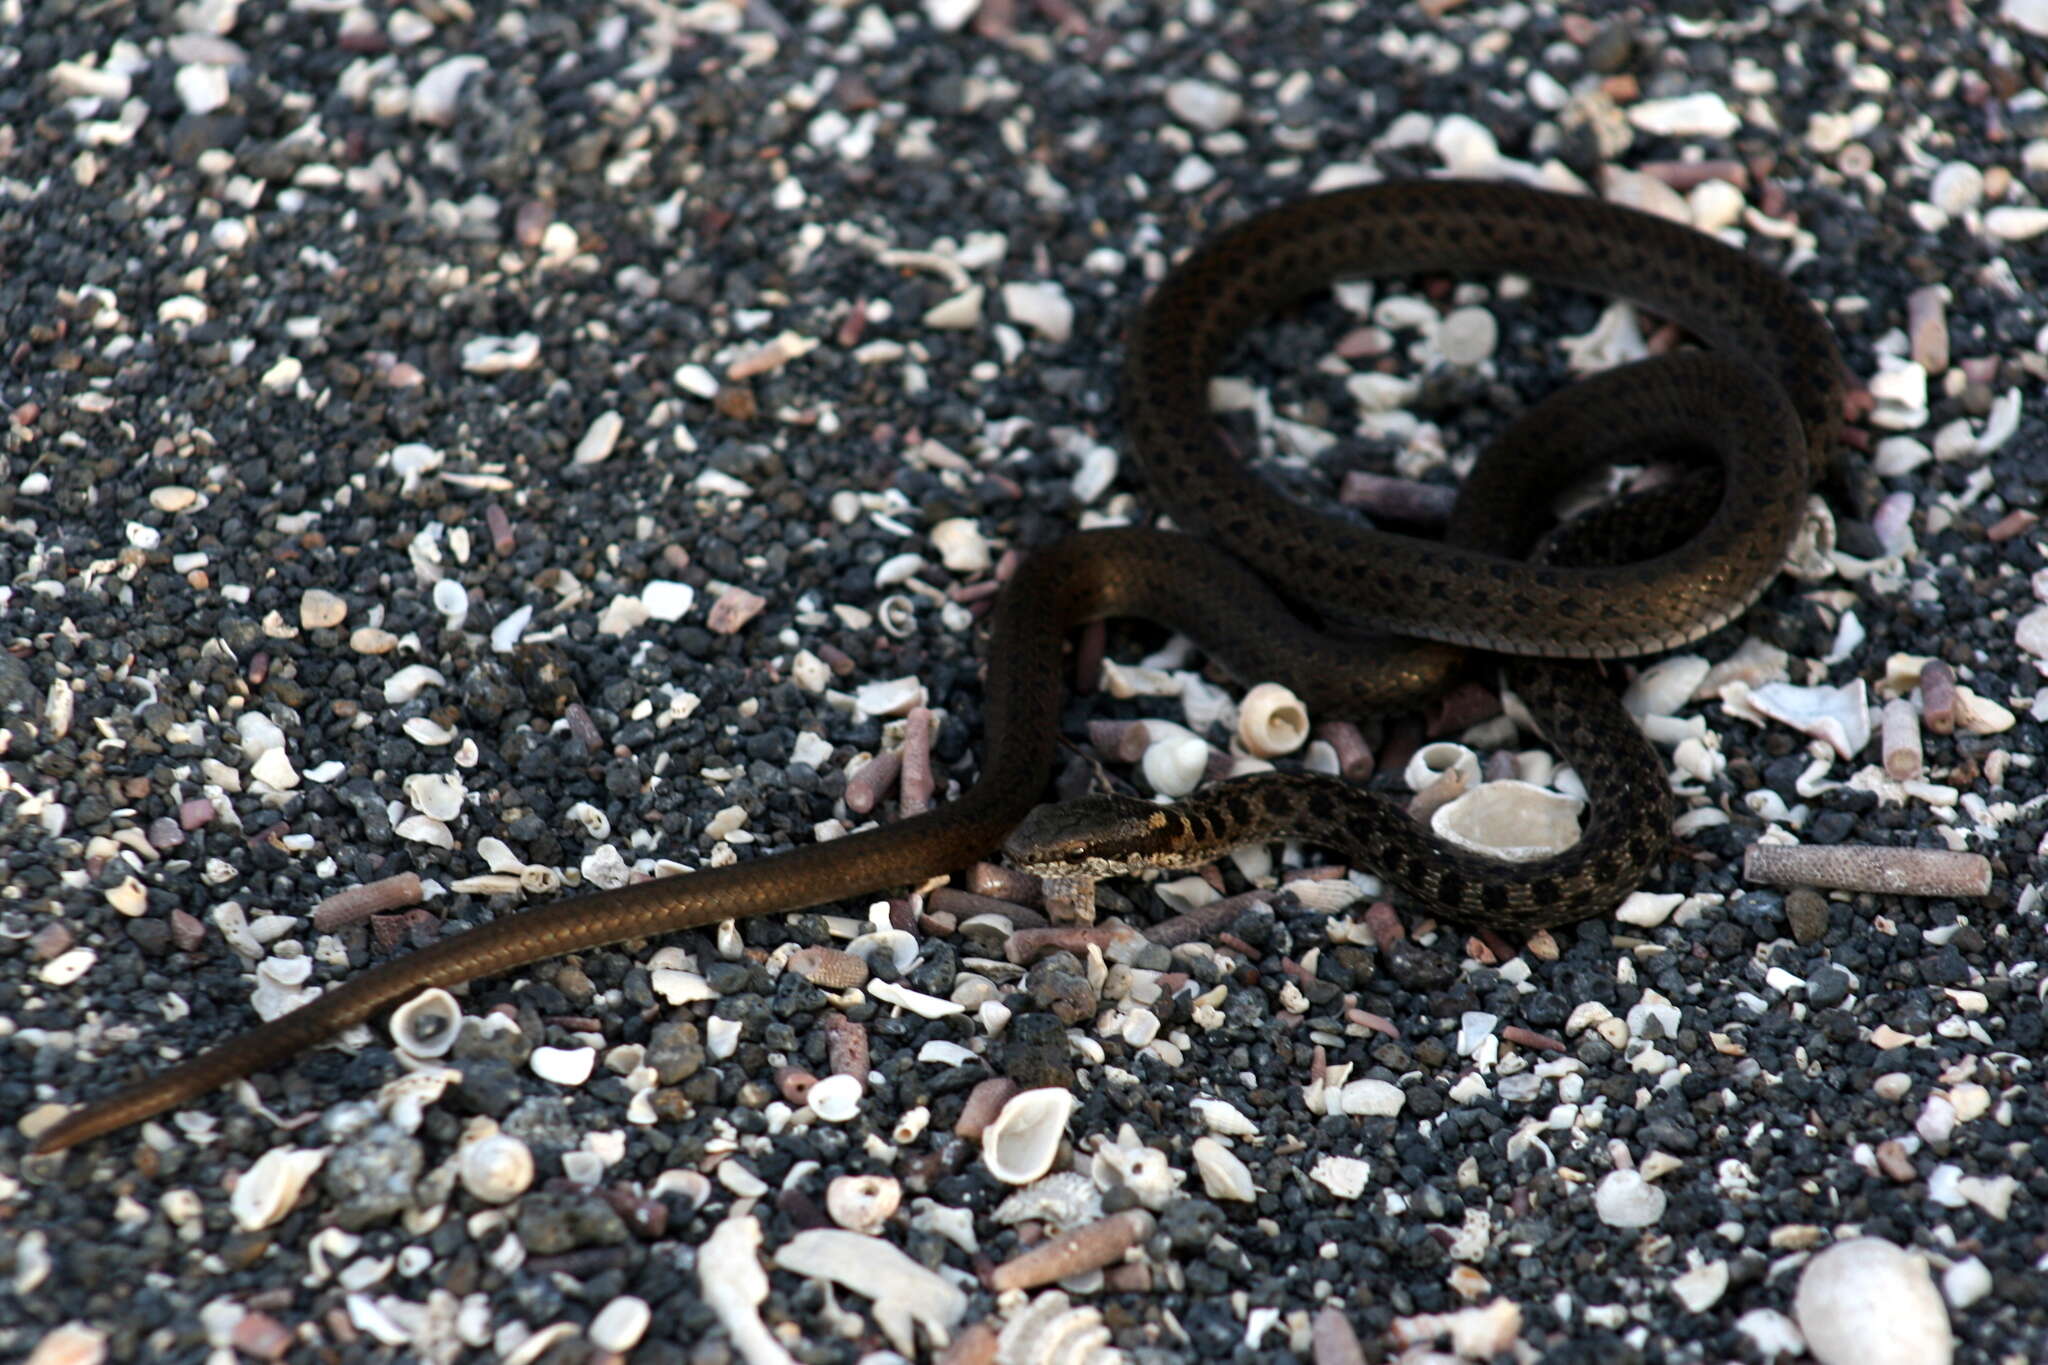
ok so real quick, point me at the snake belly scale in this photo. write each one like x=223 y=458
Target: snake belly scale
x=1765 y=398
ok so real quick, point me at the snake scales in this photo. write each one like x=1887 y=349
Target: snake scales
x=1765 y=398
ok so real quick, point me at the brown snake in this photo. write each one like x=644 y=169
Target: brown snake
x=1766 y=401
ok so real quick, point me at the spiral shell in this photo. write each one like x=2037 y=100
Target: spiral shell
x=1174 y=766
x=495 y=1167
x=1432 y=761
x=1022 y=1143
x=1271 y=721
x=427 y=1024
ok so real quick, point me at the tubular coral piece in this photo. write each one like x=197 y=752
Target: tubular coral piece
x=1089 y=1247
x=1885 y=871
x=361 y=902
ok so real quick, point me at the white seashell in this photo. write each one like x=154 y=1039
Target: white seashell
x=891 y=697
x=1623 y=1199
x=436 y=794
x=898 y=944
x=408 y=682
x=862 y=1203
x=1096 y=472
x=1175 y=765
x=1665 y=686
x=917 y=1002
x=1616 y=339
x=1981 y=715
x=595 y=822
x=1512 y=821
x=427 y=1024
x=1062 y=1201
x=1021 y=1144
x=1145 y=1171
x=1343 y=1176
x=1838 y=715
x=961 y=545
x=1272 y=721
x=836 y=1099
x=1868 y=1301
x=905 y=1295
x=693 y=1187
x=1432 y=761
x=406 y=1098
x=265 y=1192
x=1468 y=336
x=1050 y=1332
x=496 y=1168
x=1221 y=1116
x=1223 y=1175
x=1124 y=681
x=911 y=1126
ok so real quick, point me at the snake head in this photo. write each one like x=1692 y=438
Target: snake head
x=1101 y=836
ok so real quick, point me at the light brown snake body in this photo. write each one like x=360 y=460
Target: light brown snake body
x=1767 y=402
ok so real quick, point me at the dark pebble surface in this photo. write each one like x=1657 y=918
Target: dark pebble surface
x=254 y=481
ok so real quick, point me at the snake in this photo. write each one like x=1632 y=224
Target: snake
x=1275 y=588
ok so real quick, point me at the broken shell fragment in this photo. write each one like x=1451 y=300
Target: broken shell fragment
x=1021 y=1144
x=836 y=1099
x=862 y=1203
x=427 y=1024
x=265 y=1192
x=1223 y=1175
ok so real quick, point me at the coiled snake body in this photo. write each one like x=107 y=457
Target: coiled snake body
x=1764 y=398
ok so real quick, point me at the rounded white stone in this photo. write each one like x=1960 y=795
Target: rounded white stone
x=620 y=1325
x=1202 y=106
x=1867 y=1302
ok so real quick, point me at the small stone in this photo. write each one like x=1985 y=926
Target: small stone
x=1044 y=308
x=1700 y=115
x=619 y=1326
x=1468 y=336
x=1202 y=106
x=2010 y=223
x=2031 y=15
x=1956 y=188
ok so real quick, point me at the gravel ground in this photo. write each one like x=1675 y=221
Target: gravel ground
x=477 y=446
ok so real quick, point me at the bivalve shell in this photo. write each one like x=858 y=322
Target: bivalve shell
x=427 y=1024
x=862 y=1203
x=1021 y=1145
x=1512 y=821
